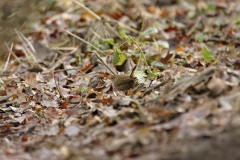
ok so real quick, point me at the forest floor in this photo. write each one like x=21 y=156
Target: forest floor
x=58 y=102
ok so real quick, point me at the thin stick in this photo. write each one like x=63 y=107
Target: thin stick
x=105 y=64
x=99 y=18
x=127 y=27
x=96 y=34
x=58 y=88
x=87 y=9
x=14 y=55
x=110 y=69
x=194 y=26
x=111 y=28
x=145 y=61
x=60 y=14
x=142 y=112
x=132 y=72
x=8 y=58
x=148 y=91
x=64 y=48
x=24 y=39
x=84 y=41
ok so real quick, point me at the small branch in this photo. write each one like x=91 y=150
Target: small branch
x=143 y=113
x=58 y=89
x=99 y=18
x=55 y=17
x=24 y=41
x=84 y=41
x=8 y=58
x=19 y=61
x=105 y=64
x=145 y=61
x=96 y=34
x=87 y=9
x=125 y=26
x=152 y=88
x=73 y=49
x=132 y=72
x=110 y=69
x=194 y=26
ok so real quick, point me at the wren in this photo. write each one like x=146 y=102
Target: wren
x=124 y=82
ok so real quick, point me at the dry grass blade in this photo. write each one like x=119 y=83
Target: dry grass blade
x=102 y=30
x=8 y=58
x=143 y=114
x=87 y=9
x=194 y=26
x=84 y=41
x=110 y=69
x=58 y=88
x=144 y=58
x=28 y=47
x=10 y=50
x=107 y=25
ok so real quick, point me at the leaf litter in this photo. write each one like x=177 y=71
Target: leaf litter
x=59 y=102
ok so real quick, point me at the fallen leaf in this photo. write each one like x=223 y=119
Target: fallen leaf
x=72 y=130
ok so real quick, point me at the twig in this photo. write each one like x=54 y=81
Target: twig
x=64 y=48
x=142 y=112
x=84 y=41
x=132 y=72
x=111 y=28
x=110 y=69
x=24 y=39
x=8 y=58
x=59 y=15
x=87 y=9
x=39 y=89
x=67 y=69
x=12 y=53
x=151 y=89
x=194 y=26
x=99 y=18
x=105 y=64
x=145 y=61
x=96 y=34
x=58 y=89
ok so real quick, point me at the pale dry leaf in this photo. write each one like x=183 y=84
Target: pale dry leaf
x=72 y=130
x=31 y=80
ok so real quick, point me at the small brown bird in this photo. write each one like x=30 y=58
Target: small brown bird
x=124 y=82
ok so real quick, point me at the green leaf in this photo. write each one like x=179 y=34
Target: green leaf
x=211 y=7
x=122 y=32
x=206 y=54
x=152 y=74
x=119 y=57
x=84 y=89
x=236 y=20
x=108 y=41
x=149 y=31
x=102 y=46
